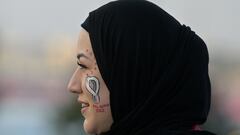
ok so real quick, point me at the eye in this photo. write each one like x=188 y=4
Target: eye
x=81 y=65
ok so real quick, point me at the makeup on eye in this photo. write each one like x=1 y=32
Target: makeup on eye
x=82 y=66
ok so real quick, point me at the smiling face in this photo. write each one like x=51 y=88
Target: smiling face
x=92 y=91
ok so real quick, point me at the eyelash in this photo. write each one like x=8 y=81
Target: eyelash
x=81 y=65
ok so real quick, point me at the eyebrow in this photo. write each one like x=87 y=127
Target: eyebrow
x=81 y=55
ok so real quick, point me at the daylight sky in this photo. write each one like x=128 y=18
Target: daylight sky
x=217 y=21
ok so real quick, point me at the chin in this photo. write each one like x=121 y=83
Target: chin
x=89 y=127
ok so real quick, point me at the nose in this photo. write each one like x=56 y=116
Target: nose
x=74 y=84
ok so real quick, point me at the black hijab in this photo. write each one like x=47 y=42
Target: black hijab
x=155 y=68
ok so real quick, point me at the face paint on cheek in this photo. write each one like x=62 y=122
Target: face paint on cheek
x=100 y=108
x=93 y=87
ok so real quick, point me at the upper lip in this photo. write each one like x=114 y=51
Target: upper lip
x=83 y=102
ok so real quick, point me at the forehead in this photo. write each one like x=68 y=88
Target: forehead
x=83 y=42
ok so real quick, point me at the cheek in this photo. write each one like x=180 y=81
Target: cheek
x=95 y=88
x=104 y=105
x=104 y=93
x=100 y=112
x=91 y=86
x=84 y=88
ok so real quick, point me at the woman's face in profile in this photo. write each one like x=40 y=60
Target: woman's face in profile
x=92 y=91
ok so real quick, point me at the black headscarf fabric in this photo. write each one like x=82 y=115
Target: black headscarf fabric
x=155 y=68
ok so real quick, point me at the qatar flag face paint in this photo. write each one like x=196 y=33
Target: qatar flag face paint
x=93 y=87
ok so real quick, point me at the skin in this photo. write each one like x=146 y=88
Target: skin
x=98 y=117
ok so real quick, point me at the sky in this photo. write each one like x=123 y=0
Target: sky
x=213 y=20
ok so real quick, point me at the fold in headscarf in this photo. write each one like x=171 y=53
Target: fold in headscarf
x=155 y=69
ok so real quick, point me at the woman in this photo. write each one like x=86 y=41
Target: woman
x=140 y=72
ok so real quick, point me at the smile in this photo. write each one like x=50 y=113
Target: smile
x=84 y=107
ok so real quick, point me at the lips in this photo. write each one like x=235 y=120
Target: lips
x=84 y=105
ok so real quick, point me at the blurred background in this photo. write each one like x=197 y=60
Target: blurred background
x=37 y=58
